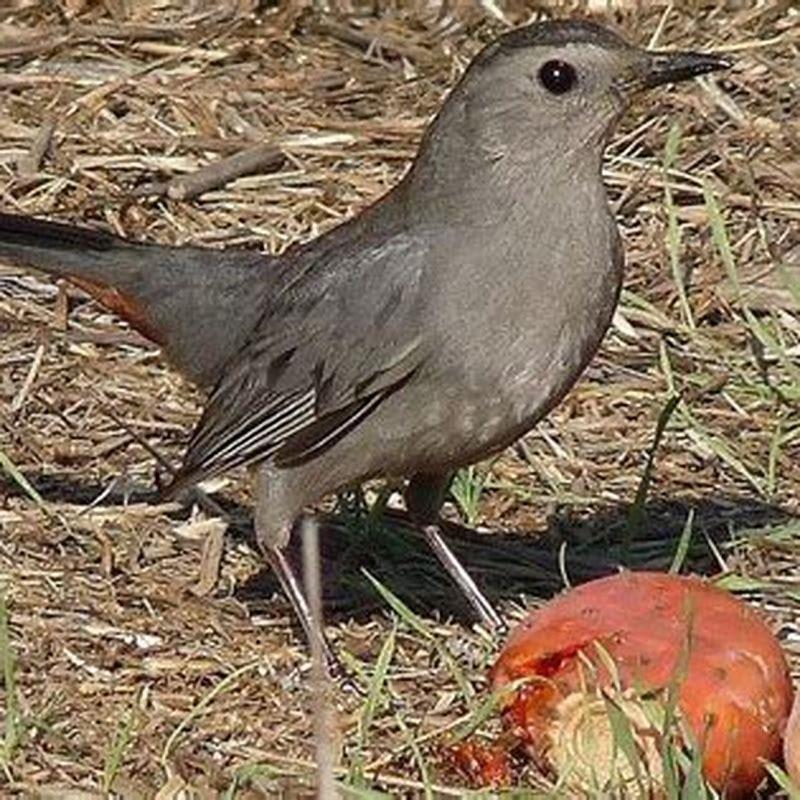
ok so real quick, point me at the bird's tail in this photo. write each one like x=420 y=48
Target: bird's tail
x=98 y=262
x=196 y=303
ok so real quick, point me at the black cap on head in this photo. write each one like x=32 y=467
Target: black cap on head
x=660 y=67
x=553 y=33
x=559 y=32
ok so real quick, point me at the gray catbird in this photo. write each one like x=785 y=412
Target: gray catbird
x=429 y=331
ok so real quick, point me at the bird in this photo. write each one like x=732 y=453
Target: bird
x=429 y=331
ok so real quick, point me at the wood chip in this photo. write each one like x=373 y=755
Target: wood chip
x=213 y=547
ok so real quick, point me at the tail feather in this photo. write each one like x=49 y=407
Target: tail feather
x=96 y=261
x=29 y=232
x=197 y=303
x=68 y=251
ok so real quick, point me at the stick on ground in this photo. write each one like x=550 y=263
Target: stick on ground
x=260 y=158
x=323 y=717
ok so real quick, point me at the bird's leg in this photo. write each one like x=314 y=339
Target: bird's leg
x=272 y=540
x=425 y=496
x=275 y=557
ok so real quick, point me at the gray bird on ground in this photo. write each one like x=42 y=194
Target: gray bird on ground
x=428 y=332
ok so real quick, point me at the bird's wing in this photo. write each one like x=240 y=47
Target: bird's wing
x=329 y=350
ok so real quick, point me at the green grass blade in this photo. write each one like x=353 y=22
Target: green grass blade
x=775 y=448
x=116 y=754
x=673 y=228
x=694 y=787
x=719 y=235
x=13 y=472
x=424 y=772
x=466 y=489
x=226 y=683
x=724 y=452
x=489 y=707
x=682 y=550
x=624 y=738
x=790 y=280
x=13 y=725
x=666 y=367
x=671 y=731
x=636 y=512
x=414 y=621
x=784 y=781
x=376 y=687
x=13 y=728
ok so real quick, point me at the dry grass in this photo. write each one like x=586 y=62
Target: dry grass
x=141 y=667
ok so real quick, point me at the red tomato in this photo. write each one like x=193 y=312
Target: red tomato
x=734 y=691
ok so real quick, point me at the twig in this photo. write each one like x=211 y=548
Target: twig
x=260 y=158
x=24 y=390
x=30 y=163
x=659 y=30
x=196 y=493
x=323 y=718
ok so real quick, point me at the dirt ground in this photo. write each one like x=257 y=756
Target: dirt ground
x=147 y=651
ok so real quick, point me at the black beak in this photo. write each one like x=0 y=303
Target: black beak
x=673 y=67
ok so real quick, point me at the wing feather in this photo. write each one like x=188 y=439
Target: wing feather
x=326 y=354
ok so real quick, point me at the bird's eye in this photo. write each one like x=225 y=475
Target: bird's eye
x=557 y=76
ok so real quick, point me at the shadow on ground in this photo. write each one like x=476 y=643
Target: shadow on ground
x=505 y=565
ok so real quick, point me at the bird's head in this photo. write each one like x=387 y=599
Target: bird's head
x=561 y=85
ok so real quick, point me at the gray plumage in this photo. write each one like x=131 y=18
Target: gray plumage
x=431 y=330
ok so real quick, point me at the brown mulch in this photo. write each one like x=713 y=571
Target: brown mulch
x=129 y=636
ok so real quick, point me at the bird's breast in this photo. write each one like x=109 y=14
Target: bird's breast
x=526 y=348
